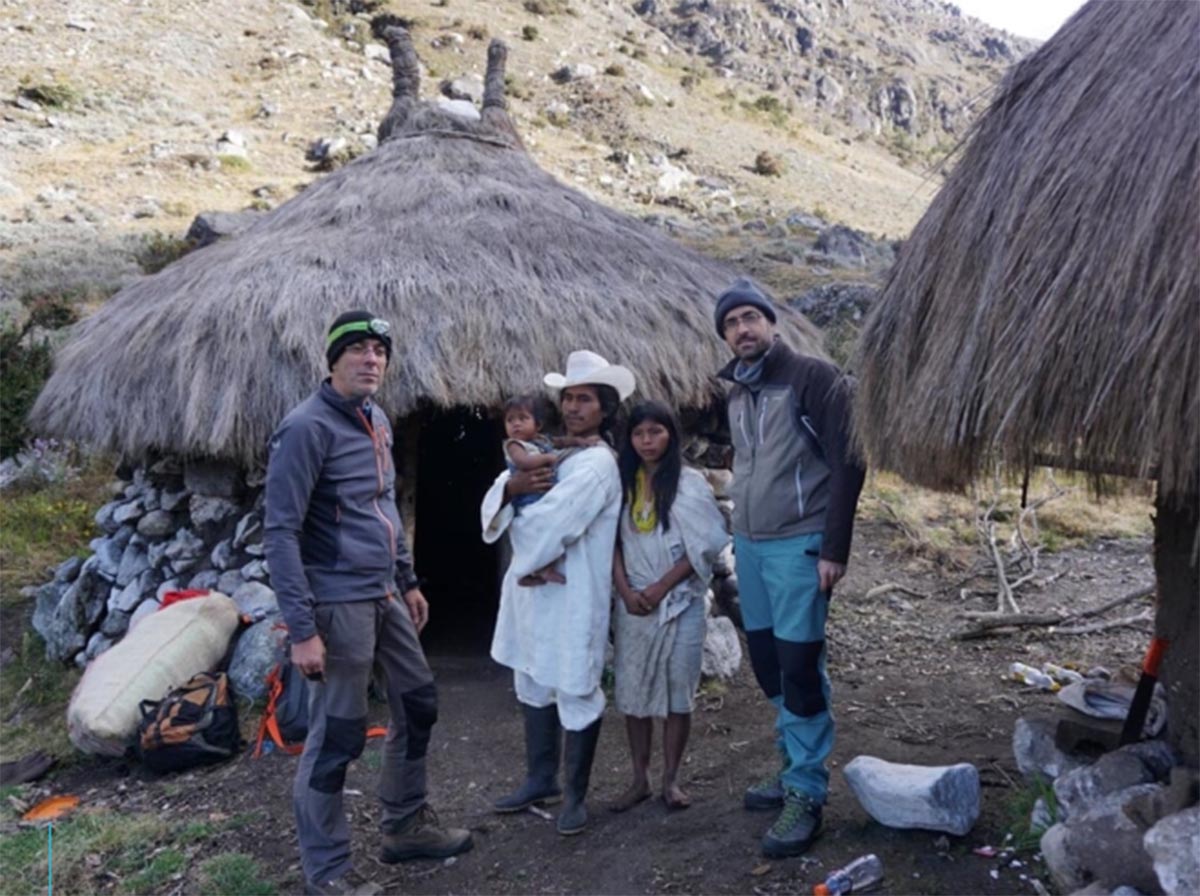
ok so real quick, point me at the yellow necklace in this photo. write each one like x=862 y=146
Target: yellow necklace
x=641 y=508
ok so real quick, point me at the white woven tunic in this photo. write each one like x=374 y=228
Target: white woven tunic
x=555 y=633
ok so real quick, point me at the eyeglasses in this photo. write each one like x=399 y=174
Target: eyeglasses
x=749 y=318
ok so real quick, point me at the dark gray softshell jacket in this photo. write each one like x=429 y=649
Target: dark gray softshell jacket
x=333 y=533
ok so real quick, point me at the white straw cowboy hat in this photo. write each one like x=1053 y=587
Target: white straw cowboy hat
x=586 y=368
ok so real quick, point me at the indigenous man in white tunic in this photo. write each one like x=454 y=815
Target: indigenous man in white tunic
x=552 y=635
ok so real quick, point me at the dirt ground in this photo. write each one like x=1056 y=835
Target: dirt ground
x=903 y=691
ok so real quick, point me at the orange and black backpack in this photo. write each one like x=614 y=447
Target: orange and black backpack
x=195 y=724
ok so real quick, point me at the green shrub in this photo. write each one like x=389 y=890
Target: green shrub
x=233 y=163
x=25 y=362
x=615 y=70
x=529 y=32
x=158 y=250
x=59 y=95
x=768 y=165
x=548 y=7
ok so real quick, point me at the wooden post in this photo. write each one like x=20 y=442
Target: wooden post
x=1178 y=617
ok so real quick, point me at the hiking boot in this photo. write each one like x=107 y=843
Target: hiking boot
x=421 y=836
x=577 y=773
x=766 y=794
x=349 y=884
x=796 y=827
x=543 y=737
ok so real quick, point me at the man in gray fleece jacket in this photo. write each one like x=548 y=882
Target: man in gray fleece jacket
x=346 y=587
x=795 y=490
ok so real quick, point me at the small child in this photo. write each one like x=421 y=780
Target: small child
x=527 y=448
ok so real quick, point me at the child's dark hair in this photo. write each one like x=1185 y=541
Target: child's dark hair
x=536 y=405
x=665 y=483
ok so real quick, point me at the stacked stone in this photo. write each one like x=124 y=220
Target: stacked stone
x=173 y=526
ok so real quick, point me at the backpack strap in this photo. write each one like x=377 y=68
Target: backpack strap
x=269 y=726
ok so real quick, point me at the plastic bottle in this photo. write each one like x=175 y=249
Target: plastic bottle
x=1031 y=676
x=1061 y=674
x=861 y=874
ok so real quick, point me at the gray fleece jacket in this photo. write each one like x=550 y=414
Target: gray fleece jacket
x=794 y=472
x=332 y=533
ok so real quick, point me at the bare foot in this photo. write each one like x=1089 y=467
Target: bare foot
x=675 y=798
x=636 y=793
x=531 y=580
x=550 y=574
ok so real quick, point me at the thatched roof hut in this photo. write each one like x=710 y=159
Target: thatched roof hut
x=489 y=269
x=1047 y=306
x=1048 y=303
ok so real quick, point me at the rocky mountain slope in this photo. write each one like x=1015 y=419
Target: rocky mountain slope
x=122 y=119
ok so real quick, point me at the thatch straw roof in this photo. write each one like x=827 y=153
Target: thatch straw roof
x=489 y=269
x=1048 y=303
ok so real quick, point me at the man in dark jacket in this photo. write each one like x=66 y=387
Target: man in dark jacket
x=346 y=587
x=795 y=490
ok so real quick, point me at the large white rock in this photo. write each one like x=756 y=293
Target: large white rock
x=932 y=798
x=1174 y=845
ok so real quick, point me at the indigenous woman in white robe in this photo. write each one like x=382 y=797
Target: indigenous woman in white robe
x=671 y=533
x=553 y=635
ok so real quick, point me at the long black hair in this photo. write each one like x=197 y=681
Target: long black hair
x=665 y=482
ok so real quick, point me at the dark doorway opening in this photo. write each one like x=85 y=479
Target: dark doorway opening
x=458 y=457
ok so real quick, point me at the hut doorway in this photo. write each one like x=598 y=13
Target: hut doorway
x=458 y=456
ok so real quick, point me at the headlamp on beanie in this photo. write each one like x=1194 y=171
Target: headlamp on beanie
x=356 y=326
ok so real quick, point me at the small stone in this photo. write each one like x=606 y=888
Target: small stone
x=222 y=555
x=255 y=570
x=68 y=570
x=229 y=581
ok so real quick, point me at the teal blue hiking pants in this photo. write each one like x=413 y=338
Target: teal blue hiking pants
x=784 y=612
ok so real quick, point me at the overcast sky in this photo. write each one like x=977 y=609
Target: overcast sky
x=1025 y=18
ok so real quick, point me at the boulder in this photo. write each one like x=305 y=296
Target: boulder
x=156 y=525
x=45 y=602
x=1101 y=843
x=257 y=651
x=467 y=87
x=1079 y=790
x=212 y=516
x=1035 y=750
x=932 y=798
x=722 y=649
x=207 y=579
x=1173 y=844
x=114 y=626
x=222 y=555
x=134 y=562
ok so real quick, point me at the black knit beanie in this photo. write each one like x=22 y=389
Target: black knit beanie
x=742 y=292
x=352 y=327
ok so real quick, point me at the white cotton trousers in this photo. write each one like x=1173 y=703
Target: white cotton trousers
x=574 y=712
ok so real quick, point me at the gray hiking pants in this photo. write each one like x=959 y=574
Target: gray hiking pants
x=358 y=635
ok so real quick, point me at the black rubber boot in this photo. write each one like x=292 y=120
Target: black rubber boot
x=577 y=772
x=543 y=735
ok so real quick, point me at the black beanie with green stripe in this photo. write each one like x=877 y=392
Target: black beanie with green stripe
x=352 y=327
